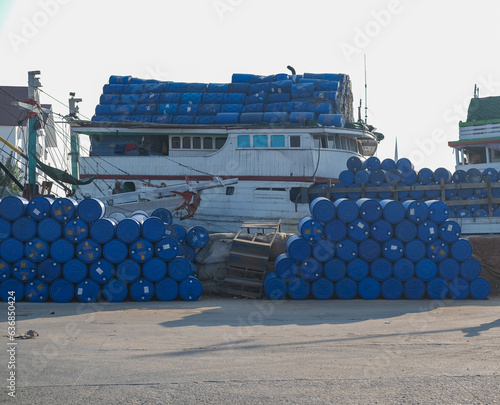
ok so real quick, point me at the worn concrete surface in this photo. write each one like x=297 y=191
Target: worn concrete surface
x=236 y=351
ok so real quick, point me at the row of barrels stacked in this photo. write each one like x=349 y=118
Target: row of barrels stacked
x=374 y=174
x=63 y=248
x=377 y=248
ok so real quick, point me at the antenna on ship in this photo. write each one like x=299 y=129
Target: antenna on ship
x=366 y=96
x=294 y=74
x=476 y=91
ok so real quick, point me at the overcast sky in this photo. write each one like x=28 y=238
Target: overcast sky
x=423 y=57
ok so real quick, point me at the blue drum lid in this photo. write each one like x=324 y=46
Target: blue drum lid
x=449 y=269
x=163 y=214
x=426 y=269
x=36 y=250
x=103 y=230
x=438 y=211
x=347 y=250
x=392 y=289
x=393 y=249
x=393 y=211
x=298 y=289
x=323 y=250
x=335 y=269
x=437 y=288
x=63 y=209
x=114 y=291
x=76 y=230
x=5 y=229
x=381 y=230
x=11 y=250
x=346 y=289
x=88 y=291
x=461 y=250
x=154 y=269
x=298 y=248
x=310 y=269
x=381 y=269
x=335 y=230
x=153 y=229
x=88 y=251
x=49 y=270
x=75 y=271
x=347 y=210
x=12 y=208
x=437 y=250
x=369 y=288
x=49 y=229
x=322 y=289
x=115 y=251
x=128 y=230
x=39 y=207
x=358 y=230
x=190 y=289
x=274 y=286
x=470 y=269
x=346 y=178
x=322 y=209
x=91 y=209
x=36 y=291
x=5 y=271
x=416 y=211
x=310 y=229
x=166 y=289
x=369 y=250
x=388 y=164
x=358 y=269
x=479 y=289
x=197 y=237
x=415 y=250
x=414 y=289
x=285 y=267
x=369 y=210
x=61 y=291
x=101 y=271
x=404 y=269
x=24 y=270
x=142 y=290
x=62 y=250
x=405 y=231
x=166 y=248
x=427 y=231
x=24 y=229
x=179 y=269
x=450 y=231
x=180 y=232
x=141 y=250
x=425 y=175
x=128 y=271
x=459 y=288
x=11 y=285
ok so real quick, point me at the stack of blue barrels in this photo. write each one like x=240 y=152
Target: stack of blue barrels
x=309 y=99
x=63 y=249
x=377 y=248
x=374 y=174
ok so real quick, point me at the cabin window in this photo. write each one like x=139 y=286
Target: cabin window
x=277 y=141
x=186 y=142
x=128 y=186
x=260 y=141
x=320 y=141
x=243 y=141
x=196 y=142
x=230 y=190
x=332 y=142
x=295 y=141
x=207 y=143
x=343 y=143
x=219 y=142
x=176 y=142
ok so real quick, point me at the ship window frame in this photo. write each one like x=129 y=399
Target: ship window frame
x=230 y=190
x=343 y=143
x=176 y=142
x=205 y=140
x=276 y=138
x=244 y=141
x=217 y=139
x=293 y=141
x=196 y=142
x=258 y=141
x=186 y=142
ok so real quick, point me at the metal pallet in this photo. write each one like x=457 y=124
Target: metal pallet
x=248 y=259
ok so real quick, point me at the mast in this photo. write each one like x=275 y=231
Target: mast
x=74 y=137
x=366 y=96
x=33 y=125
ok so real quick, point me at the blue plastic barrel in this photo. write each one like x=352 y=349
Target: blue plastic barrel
x=24 y=270
x=473 y=176
x=9 y=286
x=381 y=269
x=63 y=209
x=464 y=213
x=164 y=214
x=153 y=228
x=479 y=289
x=180 y=231
x=322 y=209
x=197 y=237
x=103 y=230
x=442 y=174
x=393 y=177
x=88 y=291
x=142 y=290
x=426 y=269
x=171 y=232
x=128 y=230
x=384 y=194
x=310 y=228
x=416 y=211
x=459 y=288
x=393 y=211
x=437 y=250
x=381 y=231
x=369 y=288
x=5 y=270
x=346 y=178
x=449 y=269
x=166 y=289
x=310 y=269
x=372 y=163
x=370 y=210
x=404 y=164
x=392 y=289
x=298 y=289
x=275 y=287
x=88 y=251
x=322 y=289
x=186 y=251
x=298 y=248
x=61 y=291
x=128 y=271
x=369 y=250
x=409 y=177
x=24 y=229
x=346 y=289
x=76 y=230
x=335 y=230
x=361 y=177
x=179 y=269
x=117 y=216
x=491 y=173
x=39 y=207
x=335 y=269
x=405 y=231
x=358 y=269
x=450 y=231
x=354 y=164
x=101 y=271
x=358 y=230
x=416 y=194
x=115 y=251
x=404 y=269
x=166 y=248
x=49 y=230
x=354 y=195
x=74 y=271
x=141 y=250
x=415 y=250
x=437 y=288
x=322 y=250
x=154 y=269
x=35 y=250
x=347 y=250
x=91 y=209
x=470 y=269
x=388 y=164
x=36 y=291
x=5 y=229
x=460 y=250
x=414 y=289
x=286 y=268
x=347 y=210
x=12 y=208
x=425 y=176
x=114 y=291
x=438 y=211
x=402 y=194
x=377 y=178
x=393 y=249
x=49 y=270
x=459 y=176
x=428 y=231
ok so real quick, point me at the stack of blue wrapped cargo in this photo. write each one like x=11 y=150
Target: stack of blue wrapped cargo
x=377 y=248
x=319 y=99
x=63 y=249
